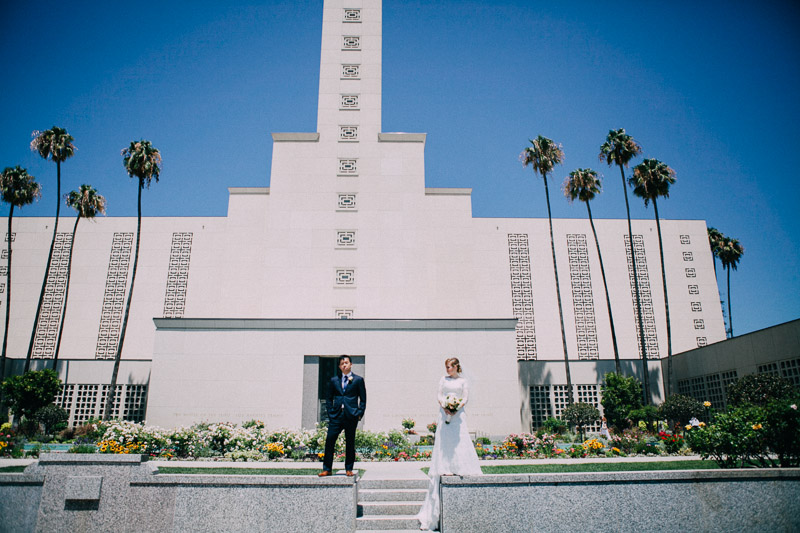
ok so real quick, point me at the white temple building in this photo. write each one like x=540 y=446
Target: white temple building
x=347 y=252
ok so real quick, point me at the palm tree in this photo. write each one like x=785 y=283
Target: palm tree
x=55 y=144
x=651 y=179
x=729 y=254
x=87 y=203
x=715 y=237
x=584 y=185
x=543 y=155
x=18 y=189
x=142 y=161
x=619 y=149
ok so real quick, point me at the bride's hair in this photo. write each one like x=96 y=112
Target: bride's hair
x=453 y=361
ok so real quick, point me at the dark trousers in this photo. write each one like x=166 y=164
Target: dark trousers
x=335 y=427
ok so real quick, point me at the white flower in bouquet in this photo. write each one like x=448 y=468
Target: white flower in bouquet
x=451 y=403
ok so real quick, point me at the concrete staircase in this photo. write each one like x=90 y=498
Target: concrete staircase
x=389 y=504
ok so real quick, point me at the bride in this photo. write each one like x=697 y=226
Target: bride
x=453 y=451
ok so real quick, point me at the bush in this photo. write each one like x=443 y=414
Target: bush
x=759 y=389
x=432 y=427
x=672 y=442
x=554 y=426
x=628 y=441
x=52 y=417
x=680 y=408
x=621 y=395
x=645 y=417
x=581 y=415
x=31 y=391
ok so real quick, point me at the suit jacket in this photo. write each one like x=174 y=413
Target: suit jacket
x=350 y=403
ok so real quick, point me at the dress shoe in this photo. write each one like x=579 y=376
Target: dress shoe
x=349 y=473
x=325 y=473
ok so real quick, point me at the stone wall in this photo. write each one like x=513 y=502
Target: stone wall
x=702 y=500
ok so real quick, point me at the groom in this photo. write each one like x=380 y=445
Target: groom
x=346 y=401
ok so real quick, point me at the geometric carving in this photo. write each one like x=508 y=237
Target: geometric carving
x=690 y=272
x=696 y=307
x=522 y=295
x=352 y=15
x=345 y=276
x=348 y=101
x=699 y=323
x=688 y=256
x=345 y=239
x=343 y=314
x=582 y=296
x=177 y=275
x=694 y=289
x=348 y=133
x=44 y=342
x=351 y=72
x=351 y=42
x=348 y=167
x=85 y=401
x=685 y=239
x=114 y=296
x=347 y=201
x=646 y=297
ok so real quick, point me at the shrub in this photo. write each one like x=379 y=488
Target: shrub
x=82 y=448
x=581 y=415
x=628 y=441
x=554 y=426
x=31 y=391
x=672 y=442
x=645 y=417
x=52 y=417
x=680 y=408
x=759 y=389
x=432 y=427
x=621 y=395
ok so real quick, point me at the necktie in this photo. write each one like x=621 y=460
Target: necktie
x=344 y=382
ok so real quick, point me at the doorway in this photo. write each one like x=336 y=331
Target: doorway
x=317 y=372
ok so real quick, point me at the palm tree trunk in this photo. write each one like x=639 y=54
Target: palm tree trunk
x=558 y=294
x=46 y=268
x=66 y=293
x=617 y=363
x=730 y=316
x=668 y=383
x=112 y=387
x=8 y=303
x=643 y=347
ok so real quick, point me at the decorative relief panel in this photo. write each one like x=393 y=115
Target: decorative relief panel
x=690 y=272
x=44 y=343
x=351 y=42
x=688 y=256
x=13 y=236
x=4 y=270
x=645 y=296
x=696 y=307
x=348 y=133
x=178 y=275
x=347 y=202
x=702 y=341
x=685 y=239
x=345 y=277
x=694 y=289
x=522 y=294
x=4 y=254
x=352 y=15
x=349 y=101
x=351 y=72
x=699 y=323
x=346 y=239
x=114 y=296
x=343 y=314
x=348 y=167
x=85 y=401
x=582 y=296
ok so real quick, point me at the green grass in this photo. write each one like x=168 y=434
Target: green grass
x=599 y=467
x=12 y=469
x=234 y=471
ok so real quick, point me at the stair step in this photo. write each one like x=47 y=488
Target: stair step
x=383 y=523
x=392 y=483
x=391 y=495
x=393 y=508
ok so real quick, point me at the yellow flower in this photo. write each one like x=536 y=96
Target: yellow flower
x=702 y=424
x=706 y=404
x=688 y=427
x=757 y=426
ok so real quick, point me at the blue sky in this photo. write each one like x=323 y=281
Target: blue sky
x=710 y=88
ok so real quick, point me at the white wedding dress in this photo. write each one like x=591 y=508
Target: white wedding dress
x=453 y=451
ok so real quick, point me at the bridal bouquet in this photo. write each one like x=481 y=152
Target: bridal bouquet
x=451 y=403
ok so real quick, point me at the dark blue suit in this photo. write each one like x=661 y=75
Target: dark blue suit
x=345 y=408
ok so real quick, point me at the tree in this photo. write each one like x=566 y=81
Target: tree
x=620 y=149
x=87 y=203
x=680 y=408
x=714 y=238
x=54 y=144
x=584 y=185
x=27 y=393
x=730 y=252
x=581 y=414
x=759 y=389
x=651 y=179
x=18 y=189
x=143 y=162
x=543 y=155
x=621 y=395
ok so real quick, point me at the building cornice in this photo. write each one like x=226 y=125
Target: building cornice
x=402 y=137
x=295 y=137
x=317 y=324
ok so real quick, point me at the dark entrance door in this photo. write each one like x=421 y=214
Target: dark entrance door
x=327 y=369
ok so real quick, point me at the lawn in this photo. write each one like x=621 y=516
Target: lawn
x=234 y=471
x=12 y=469
x=599 y=467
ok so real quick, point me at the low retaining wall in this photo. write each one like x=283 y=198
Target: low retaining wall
x=95 y=492
x=697 y=500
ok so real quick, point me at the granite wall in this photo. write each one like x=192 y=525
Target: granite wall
x=704 y=500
